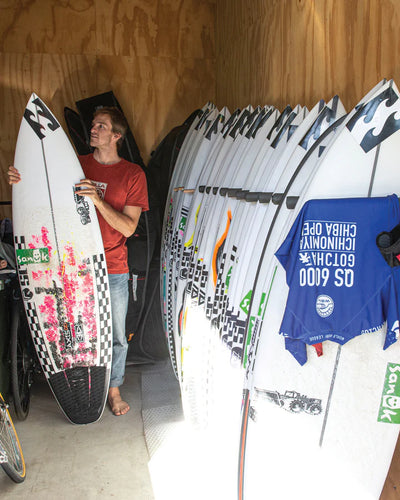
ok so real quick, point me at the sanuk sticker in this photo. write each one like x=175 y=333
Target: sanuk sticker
x=27 y=256
x=389 y=410
x=245 y=304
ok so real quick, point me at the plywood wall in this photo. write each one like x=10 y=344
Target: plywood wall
x=158 y=56
x=299 y=51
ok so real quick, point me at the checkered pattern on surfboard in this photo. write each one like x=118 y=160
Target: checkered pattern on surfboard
x=105 y=326
x=33 y=320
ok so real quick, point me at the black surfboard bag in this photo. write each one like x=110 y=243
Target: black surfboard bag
x=163 y=159
x=388 y=243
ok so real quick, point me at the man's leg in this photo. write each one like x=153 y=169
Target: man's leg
x=119 y=306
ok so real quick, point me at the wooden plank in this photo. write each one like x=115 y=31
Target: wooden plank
x=292 y=51
x=156 y=94
x=157 y=29
x=48 y=26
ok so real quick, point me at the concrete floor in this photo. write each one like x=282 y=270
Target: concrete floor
x=148 y=454
x=106 y=459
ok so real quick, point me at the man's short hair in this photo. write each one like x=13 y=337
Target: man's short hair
x=118 y=121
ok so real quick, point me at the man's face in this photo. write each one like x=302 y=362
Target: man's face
x=101 y=134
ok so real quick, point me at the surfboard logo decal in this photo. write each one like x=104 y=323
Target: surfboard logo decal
x=375 y=121
x=389 y=411
x=67 y=334
x=245 y=303
x=26 y=256
x=291 y=401
x=82 y=207
x=27 y=294
x=183 y=221
x=322 y=122
x=42 y=110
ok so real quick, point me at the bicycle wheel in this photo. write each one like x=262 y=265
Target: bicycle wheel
x=22 y=365
x=11 y=457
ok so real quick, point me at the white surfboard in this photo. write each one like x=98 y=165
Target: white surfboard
x=61 y=267
x=336 y=431
x=173 y=222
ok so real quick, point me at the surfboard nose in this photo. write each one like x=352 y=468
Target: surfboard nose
x=81 y=392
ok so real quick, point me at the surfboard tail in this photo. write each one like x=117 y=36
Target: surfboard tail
x=80 y=392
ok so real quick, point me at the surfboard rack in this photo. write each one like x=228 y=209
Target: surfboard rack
x=291 y=202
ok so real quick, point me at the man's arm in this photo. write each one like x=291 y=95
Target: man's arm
x=125 y=222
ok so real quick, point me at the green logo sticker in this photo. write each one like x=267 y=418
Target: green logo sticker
x=27 y=256
x=245 y=304
x=228 y=279
x=182 y=224
x=389 y=410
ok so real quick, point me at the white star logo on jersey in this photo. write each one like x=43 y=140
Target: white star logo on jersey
x=305 y=259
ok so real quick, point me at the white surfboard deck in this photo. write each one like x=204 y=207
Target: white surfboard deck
x=61 y=267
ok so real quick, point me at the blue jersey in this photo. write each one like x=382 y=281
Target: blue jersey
x=340 y=286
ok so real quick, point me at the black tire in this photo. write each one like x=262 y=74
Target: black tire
x=315 y=409
x=10 y=446
x=22 y=366
x=296 y=406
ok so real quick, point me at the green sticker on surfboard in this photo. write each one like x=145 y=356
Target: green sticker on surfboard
x=27 y=256
x=389 y=410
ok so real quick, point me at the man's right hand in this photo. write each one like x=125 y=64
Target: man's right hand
x=13 y=175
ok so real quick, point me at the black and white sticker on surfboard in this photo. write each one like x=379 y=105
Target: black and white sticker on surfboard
x=291 y=401
x=34 y=120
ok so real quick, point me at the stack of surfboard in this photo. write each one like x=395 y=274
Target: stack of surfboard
x=241 y=179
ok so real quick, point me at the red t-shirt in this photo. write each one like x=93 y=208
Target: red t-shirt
x=121 y=184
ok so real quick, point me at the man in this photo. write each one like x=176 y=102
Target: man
x=119 y=192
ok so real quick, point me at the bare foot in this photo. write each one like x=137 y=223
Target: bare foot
x=118 y=406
